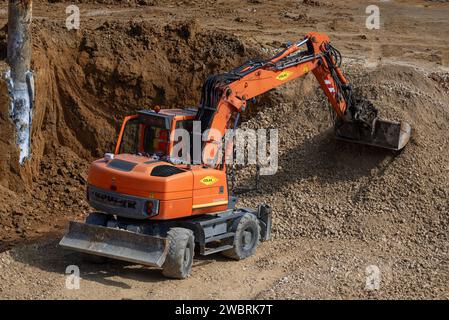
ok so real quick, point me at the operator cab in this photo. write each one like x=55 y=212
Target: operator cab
x=150 y=133
x=144 y=170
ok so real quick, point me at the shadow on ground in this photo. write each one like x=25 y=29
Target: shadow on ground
x=48 y=256
x=325 y=159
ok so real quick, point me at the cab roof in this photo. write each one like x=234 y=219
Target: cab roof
x=188 y=112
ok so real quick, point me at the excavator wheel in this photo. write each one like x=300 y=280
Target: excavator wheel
x=247 y=236
x=179 y=260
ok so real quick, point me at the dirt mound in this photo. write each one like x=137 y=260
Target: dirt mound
x=328 y=183
x=326 y=190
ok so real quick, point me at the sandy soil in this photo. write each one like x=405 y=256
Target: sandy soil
x=338 y=208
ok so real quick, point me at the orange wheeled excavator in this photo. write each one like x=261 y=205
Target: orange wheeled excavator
x=154 y=210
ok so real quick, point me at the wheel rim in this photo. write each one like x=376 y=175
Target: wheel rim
x=187 y=253
x=248 y=239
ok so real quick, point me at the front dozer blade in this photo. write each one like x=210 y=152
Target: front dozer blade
x=385 y=134
x=116 y=243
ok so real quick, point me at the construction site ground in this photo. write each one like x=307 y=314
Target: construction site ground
x=341 y=211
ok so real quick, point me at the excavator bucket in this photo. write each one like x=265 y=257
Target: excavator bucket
x=116 y=243
x=384 y=134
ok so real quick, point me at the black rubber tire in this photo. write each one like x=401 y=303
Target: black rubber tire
x=247 y=237
x=97 y=219
x=178 y=264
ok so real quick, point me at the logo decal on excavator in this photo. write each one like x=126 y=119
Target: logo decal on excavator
x=114 y=201
x=209 y=180
x=284 y=75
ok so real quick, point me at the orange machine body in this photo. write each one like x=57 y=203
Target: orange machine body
x=193 y=190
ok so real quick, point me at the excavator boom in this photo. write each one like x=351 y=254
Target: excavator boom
x=356 y=119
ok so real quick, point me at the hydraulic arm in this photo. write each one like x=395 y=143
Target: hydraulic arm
x=356 y=119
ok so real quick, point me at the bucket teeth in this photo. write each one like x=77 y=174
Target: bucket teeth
x=383 y=134
x=116 y=243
